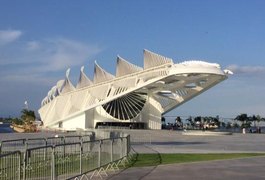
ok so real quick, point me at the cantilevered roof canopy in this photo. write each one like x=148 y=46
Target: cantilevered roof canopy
x=152 y=59
x=150 y=91
x=100 y=75
x=124 y=67
x=83 y=80
x=67 y=85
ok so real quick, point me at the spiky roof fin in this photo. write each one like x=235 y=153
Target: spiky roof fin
x=67 y=85
x=100 y=75
x=124 y=67
x=83 y=79
x=152 y=59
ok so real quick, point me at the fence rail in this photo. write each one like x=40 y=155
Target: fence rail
x=64 y=159
x=10 y=166
x=7 y=146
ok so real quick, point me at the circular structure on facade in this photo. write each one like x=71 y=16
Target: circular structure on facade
x=126 y=107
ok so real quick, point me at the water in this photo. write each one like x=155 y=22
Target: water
x=5 y=128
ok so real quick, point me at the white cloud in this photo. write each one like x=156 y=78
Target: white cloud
x=29 y=69
x=42 y=57
x=8 y=36
x=33 y=45
x=246 y=69
x=62 y=53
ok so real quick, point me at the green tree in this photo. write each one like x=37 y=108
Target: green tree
x=179 y=122
x=17 y=121
x=253 y=119
x=28 y=117
x=198 y=121
x=244 y=119
x=212 y=121
x=259 y=118
x=191 y=122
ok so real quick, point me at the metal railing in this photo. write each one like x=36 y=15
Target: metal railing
x=135 y=136
x=10 y=166
x=7 y=146
x=71 y=160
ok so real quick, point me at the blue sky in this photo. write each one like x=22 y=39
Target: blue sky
x=39 y=40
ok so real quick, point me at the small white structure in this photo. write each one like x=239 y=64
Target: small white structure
x=133 y=95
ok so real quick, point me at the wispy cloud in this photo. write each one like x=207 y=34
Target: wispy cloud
x=62 y=53
x=8 y=36
x=28 y=69
x=254 y=70
x=33 y=45
x=32 y=61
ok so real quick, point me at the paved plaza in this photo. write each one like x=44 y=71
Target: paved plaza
x=175 y=142
x=163 y=141
x=243 y=169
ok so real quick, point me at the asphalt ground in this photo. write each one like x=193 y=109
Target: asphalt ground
x=175 y=142
x=157 y=141
x=241 y=169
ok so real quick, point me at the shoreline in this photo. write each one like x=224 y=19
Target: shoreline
x=17 y=128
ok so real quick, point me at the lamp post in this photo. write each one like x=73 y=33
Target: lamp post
x=26 y=105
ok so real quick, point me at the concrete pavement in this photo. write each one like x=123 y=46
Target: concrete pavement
x=243 y=169
x=152 y=141
x=174 y=142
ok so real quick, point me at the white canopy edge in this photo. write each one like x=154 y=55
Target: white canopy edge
x=67 y=85
x=44 y=101
x=54 y=91
x=59 y=85
x=200 y=63
x=124 y=67
x=83 y=79
x=100 y=75
x=152 y=59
